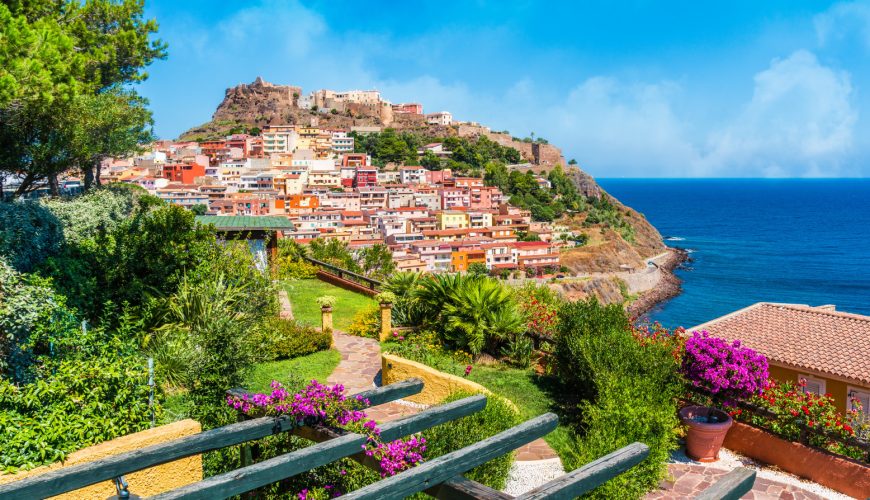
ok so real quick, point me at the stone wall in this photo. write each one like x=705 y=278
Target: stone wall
x=147 y=482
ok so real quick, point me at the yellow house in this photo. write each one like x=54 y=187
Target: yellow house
x=827 y=348
x=452 y=219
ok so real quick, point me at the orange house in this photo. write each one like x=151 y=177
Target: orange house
x=184 y=173
x=461 y=259
x=302 y=203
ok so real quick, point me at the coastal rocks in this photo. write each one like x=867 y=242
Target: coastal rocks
x=669 y=285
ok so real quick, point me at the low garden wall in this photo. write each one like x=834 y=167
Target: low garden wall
x=147 y=482
x=437 y=385
x=838 y=473
x=353 y=286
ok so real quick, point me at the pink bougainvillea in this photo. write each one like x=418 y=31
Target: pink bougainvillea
x=319 y=404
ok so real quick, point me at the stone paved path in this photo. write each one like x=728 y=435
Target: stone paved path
x=358 y=368
x=690 y=479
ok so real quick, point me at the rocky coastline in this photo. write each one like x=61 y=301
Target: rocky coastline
x=668 y=287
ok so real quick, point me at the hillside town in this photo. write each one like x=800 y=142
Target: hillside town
x=432 y=220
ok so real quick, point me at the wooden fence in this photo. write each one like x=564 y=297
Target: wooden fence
x=440 y=477
x=373 y=286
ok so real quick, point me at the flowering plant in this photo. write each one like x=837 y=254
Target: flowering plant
x=319 y=404
x=540 y=316
x=792 y=406
x=648 y=334
x=727 y=370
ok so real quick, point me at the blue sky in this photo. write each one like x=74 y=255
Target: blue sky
x=634 y=89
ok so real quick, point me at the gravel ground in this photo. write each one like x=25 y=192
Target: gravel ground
x=525 y=476
x=728 y=460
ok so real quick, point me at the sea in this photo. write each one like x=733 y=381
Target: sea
x=751 y=240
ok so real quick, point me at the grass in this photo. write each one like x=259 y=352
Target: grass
x=532 y=396
x=316 y=366
x=302 y=294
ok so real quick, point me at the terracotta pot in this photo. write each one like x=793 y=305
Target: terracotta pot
x=707 y=430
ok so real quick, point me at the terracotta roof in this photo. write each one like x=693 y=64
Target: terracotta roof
x=815 y=339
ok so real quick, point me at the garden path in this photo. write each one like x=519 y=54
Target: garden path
x=689 y=480
x=358 y=370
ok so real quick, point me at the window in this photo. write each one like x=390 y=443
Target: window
x=858 y=397
x=813 y=385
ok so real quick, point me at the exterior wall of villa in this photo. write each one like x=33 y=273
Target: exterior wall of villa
x=147 y=482
x=838 y=389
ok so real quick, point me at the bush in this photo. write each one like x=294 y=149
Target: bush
x=628 y=389
x=288 y=269
x=499 y=415
x=366 y=323
x=286 y=339
x=81 y=403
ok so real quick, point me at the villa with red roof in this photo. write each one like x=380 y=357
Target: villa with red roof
x=827 y=348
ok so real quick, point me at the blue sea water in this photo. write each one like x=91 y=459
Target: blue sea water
x=752 y=240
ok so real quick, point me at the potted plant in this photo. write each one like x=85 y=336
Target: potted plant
x=326 y=302
x=386 y=298
x=729 y=372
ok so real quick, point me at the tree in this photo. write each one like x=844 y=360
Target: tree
x=572 y=161
x=377 y=261
x=60 y=62
x=477 y=269
x=199 y=209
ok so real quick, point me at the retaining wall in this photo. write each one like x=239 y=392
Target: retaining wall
x=147 y=482
x=436 y=385
x=838 y=473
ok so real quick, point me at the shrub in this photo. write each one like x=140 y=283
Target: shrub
x=81 y=403
x=499 y=415
x=286 y=339
x=288 y=269
x=726 y=370
x=628 y=389
x=366 y=323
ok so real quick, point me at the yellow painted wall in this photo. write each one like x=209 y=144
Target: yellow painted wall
x=436 y=385
x=837 y=389
x=145 y=482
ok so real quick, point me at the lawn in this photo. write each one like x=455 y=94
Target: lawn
x=316 y=366
x=302 y=294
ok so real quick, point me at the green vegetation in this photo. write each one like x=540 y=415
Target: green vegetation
x=628 y=391
x=469 y=156
x=304 y=293
x=66 y=101
x=114 y=277
x=317 y=366
x=375 y=262
x=499 y=415
x=610 y=384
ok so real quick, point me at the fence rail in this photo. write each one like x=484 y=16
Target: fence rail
x=374 y=285
x=440 y=477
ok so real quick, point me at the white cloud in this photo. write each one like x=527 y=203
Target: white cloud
x=843 y=20
x=800 y=118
